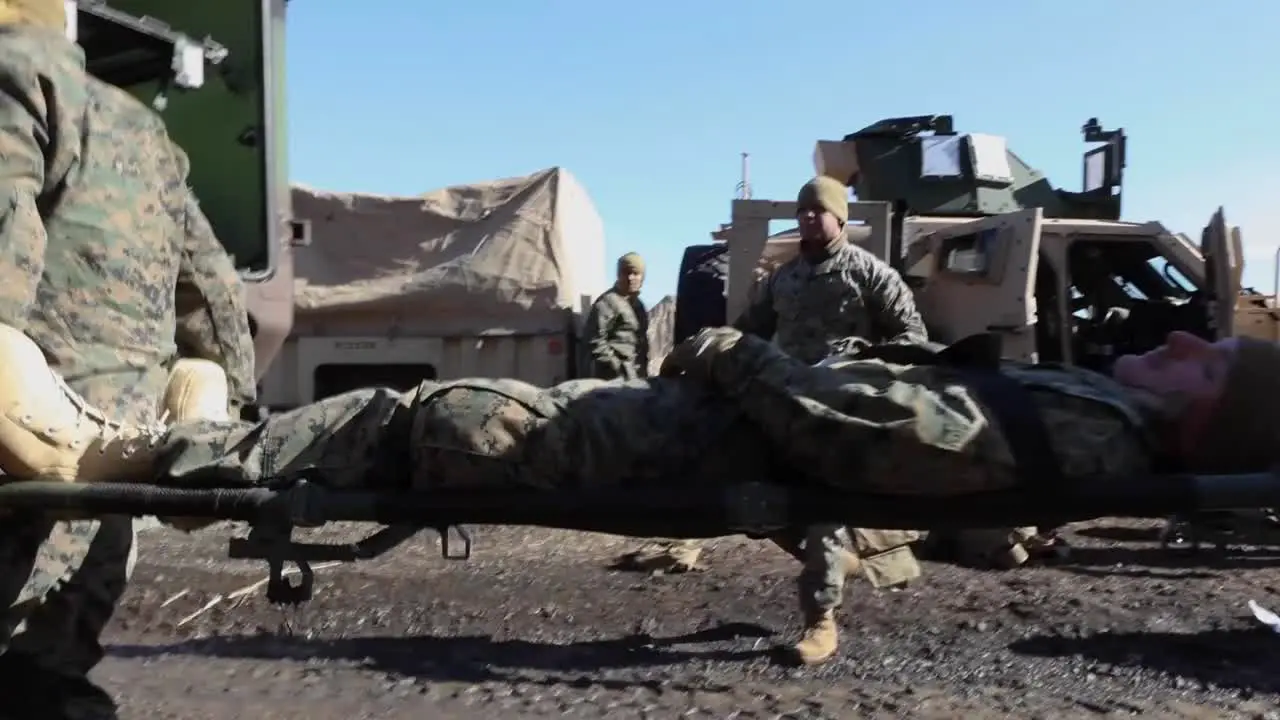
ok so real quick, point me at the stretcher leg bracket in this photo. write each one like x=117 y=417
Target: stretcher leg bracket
x=274 y=543
x=464 y=535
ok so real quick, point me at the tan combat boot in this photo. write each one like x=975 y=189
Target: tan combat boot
x=820 y=640
x=49 y=432
x=197 y=390
x=821 y=637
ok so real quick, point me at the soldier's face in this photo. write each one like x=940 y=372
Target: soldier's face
x=817 y=225
x=1186 y=366
x=630 y=279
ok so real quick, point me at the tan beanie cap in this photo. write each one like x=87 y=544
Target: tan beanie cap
x=631 y=261
x=827 y=193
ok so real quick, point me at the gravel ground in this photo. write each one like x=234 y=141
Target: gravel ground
x=535 y=625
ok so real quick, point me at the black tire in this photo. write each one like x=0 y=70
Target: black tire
x=700 y=293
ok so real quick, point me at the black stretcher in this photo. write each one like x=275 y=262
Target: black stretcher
x=757 y=510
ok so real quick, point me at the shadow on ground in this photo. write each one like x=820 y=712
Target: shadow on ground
x=1148 y=559
x=1245 y=659
x=474 y=658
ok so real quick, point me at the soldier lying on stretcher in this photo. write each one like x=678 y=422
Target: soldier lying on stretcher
x=738 y=410
x=731 y=408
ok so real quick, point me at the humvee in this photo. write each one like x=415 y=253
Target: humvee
x=215 y=72
x=990 y=246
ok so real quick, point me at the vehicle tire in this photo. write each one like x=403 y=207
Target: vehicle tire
x=701 y=300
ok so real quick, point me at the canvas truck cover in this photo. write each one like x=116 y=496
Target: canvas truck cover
x=504 y=256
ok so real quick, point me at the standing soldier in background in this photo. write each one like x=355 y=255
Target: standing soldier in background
x=831 y=294
x=110 y=267
x=617 y=328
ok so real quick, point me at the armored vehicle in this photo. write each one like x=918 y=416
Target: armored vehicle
x=989 y=245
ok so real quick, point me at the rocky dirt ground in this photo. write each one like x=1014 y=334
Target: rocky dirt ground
x=535 y=625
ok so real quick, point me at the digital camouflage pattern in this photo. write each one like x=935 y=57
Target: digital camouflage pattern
x=617 y=336
x=211 y=313
x=812 y=311
x=480 y=434
x=745 y=411
x=95 y=231
x=917 y=430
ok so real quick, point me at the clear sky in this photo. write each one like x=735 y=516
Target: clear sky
x=649 y=104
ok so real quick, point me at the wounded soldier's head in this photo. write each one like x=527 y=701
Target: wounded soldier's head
x=1224 y=397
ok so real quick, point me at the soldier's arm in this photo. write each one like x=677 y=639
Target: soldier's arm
x=891 y=302
x=835 y=425
x=213 y=320
x=26 y=145
x=597 y=333
x=760 y=318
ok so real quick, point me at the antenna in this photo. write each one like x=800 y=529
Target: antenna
x=744 y=185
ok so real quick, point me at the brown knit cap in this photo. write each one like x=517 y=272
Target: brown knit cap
x=51 y=14
x=1243 y=431
x=826 y=193
x=631 y=261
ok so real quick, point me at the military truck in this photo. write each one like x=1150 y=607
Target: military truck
x=989 y=245
x=215 y=72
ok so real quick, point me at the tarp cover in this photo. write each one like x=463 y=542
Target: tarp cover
x=505 y=255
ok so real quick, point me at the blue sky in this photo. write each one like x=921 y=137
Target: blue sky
x=649 y=104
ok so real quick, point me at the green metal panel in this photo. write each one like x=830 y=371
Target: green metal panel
x=235 y=141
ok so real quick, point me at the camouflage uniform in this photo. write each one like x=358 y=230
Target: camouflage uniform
x=617 y=331
x=911 y=430
x=744 y=407
x=617 y=335
x=483 y=434
x=812 y=311
x=99 y=234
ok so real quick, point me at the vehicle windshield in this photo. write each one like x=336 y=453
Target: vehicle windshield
x=1103 y=272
